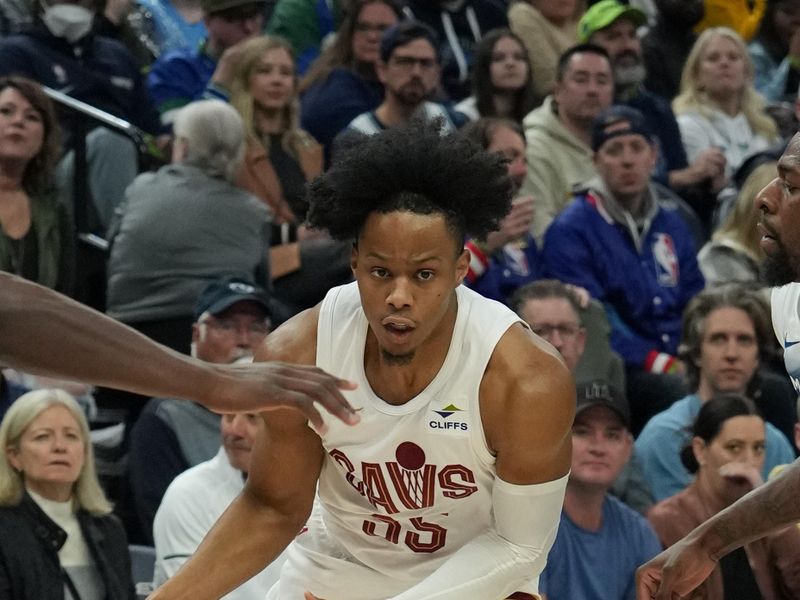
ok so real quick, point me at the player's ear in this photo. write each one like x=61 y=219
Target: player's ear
x=354 y=258
x=462 y=266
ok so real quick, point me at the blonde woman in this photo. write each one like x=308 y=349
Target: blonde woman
x=734 y=254
x=58 y=538
x=280 y=159
x=718 y=105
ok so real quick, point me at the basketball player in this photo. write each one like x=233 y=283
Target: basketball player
x=684 y=566
x=46 y=333
x=451 y=485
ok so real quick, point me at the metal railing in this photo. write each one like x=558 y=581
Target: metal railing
x=83 y=118
x=91 y=247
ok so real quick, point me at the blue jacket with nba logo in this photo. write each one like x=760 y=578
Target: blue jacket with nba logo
x=644 y=272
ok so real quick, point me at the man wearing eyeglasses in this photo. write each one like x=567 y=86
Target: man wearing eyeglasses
x=555 y=312
x=231 y=320
x=410 y=72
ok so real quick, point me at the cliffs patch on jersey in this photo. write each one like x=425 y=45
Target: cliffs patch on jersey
x=448 y=420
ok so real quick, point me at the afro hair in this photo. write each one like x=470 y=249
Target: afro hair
x=412 y=168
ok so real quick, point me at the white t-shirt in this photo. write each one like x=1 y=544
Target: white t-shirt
x=191 y=505
x=786 y=322
x=401 y=492
x=469 y=108
x=731 y=134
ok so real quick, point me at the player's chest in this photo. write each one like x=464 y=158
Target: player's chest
x=411 y=462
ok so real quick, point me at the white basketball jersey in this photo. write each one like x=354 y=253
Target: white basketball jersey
x=786 y=322
x=409 y=485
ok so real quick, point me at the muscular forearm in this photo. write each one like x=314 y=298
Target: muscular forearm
x=46 y=333
x=247 y=537
x=768 y=507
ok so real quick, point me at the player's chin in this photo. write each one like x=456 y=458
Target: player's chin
x=397 y=355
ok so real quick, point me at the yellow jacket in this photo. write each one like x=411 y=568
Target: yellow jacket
x=736 y=14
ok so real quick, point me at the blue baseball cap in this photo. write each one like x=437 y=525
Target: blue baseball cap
x=220 y=295
x=609 y=124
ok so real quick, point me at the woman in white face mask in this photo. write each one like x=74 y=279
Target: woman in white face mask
x=62 y=51
x=68 y=20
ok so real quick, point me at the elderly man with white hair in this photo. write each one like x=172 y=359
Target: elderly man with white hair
x=184 y=226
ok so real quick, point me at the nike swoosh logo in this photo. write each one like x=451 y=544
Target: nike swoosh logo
x=787 y=344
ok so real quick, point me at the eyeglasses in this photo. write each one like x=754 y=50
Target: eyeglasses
x=566 y=331
x=229 y=327
x=364 y=27
x=407 y=63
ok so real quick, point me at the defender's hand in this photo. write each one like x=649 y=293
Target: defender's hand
x=265 y=386
x=674 y=573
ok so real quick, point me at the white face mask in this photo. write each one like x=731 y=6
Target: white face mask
x=68 y=21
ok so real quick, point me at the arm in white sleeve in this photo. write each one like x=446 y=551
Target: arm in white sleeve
x=503 y=559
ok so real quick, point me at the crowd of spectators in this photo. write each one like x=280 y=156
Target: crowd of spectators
x=637 y=136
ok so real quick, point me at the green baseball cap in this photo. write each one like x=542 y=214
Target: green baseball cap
x=604 y=13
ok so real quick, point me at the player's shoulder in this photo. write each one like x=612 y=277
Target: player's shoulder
x=524 y=369
x=526 y=387
x=295 y=341
x=519 y=350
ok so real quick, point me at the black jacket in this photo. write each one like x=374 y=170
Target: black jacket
x=95 y=69
x=487 y=14
x=29 y=544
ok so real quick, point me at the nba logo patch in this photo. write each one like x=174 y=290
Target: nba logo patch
x=666 y=260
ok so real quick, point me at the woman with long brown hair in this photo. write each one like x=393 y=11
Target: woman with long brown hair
x=342 y=83
x=279 y=160
x=36 y=240
x=502 y=81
